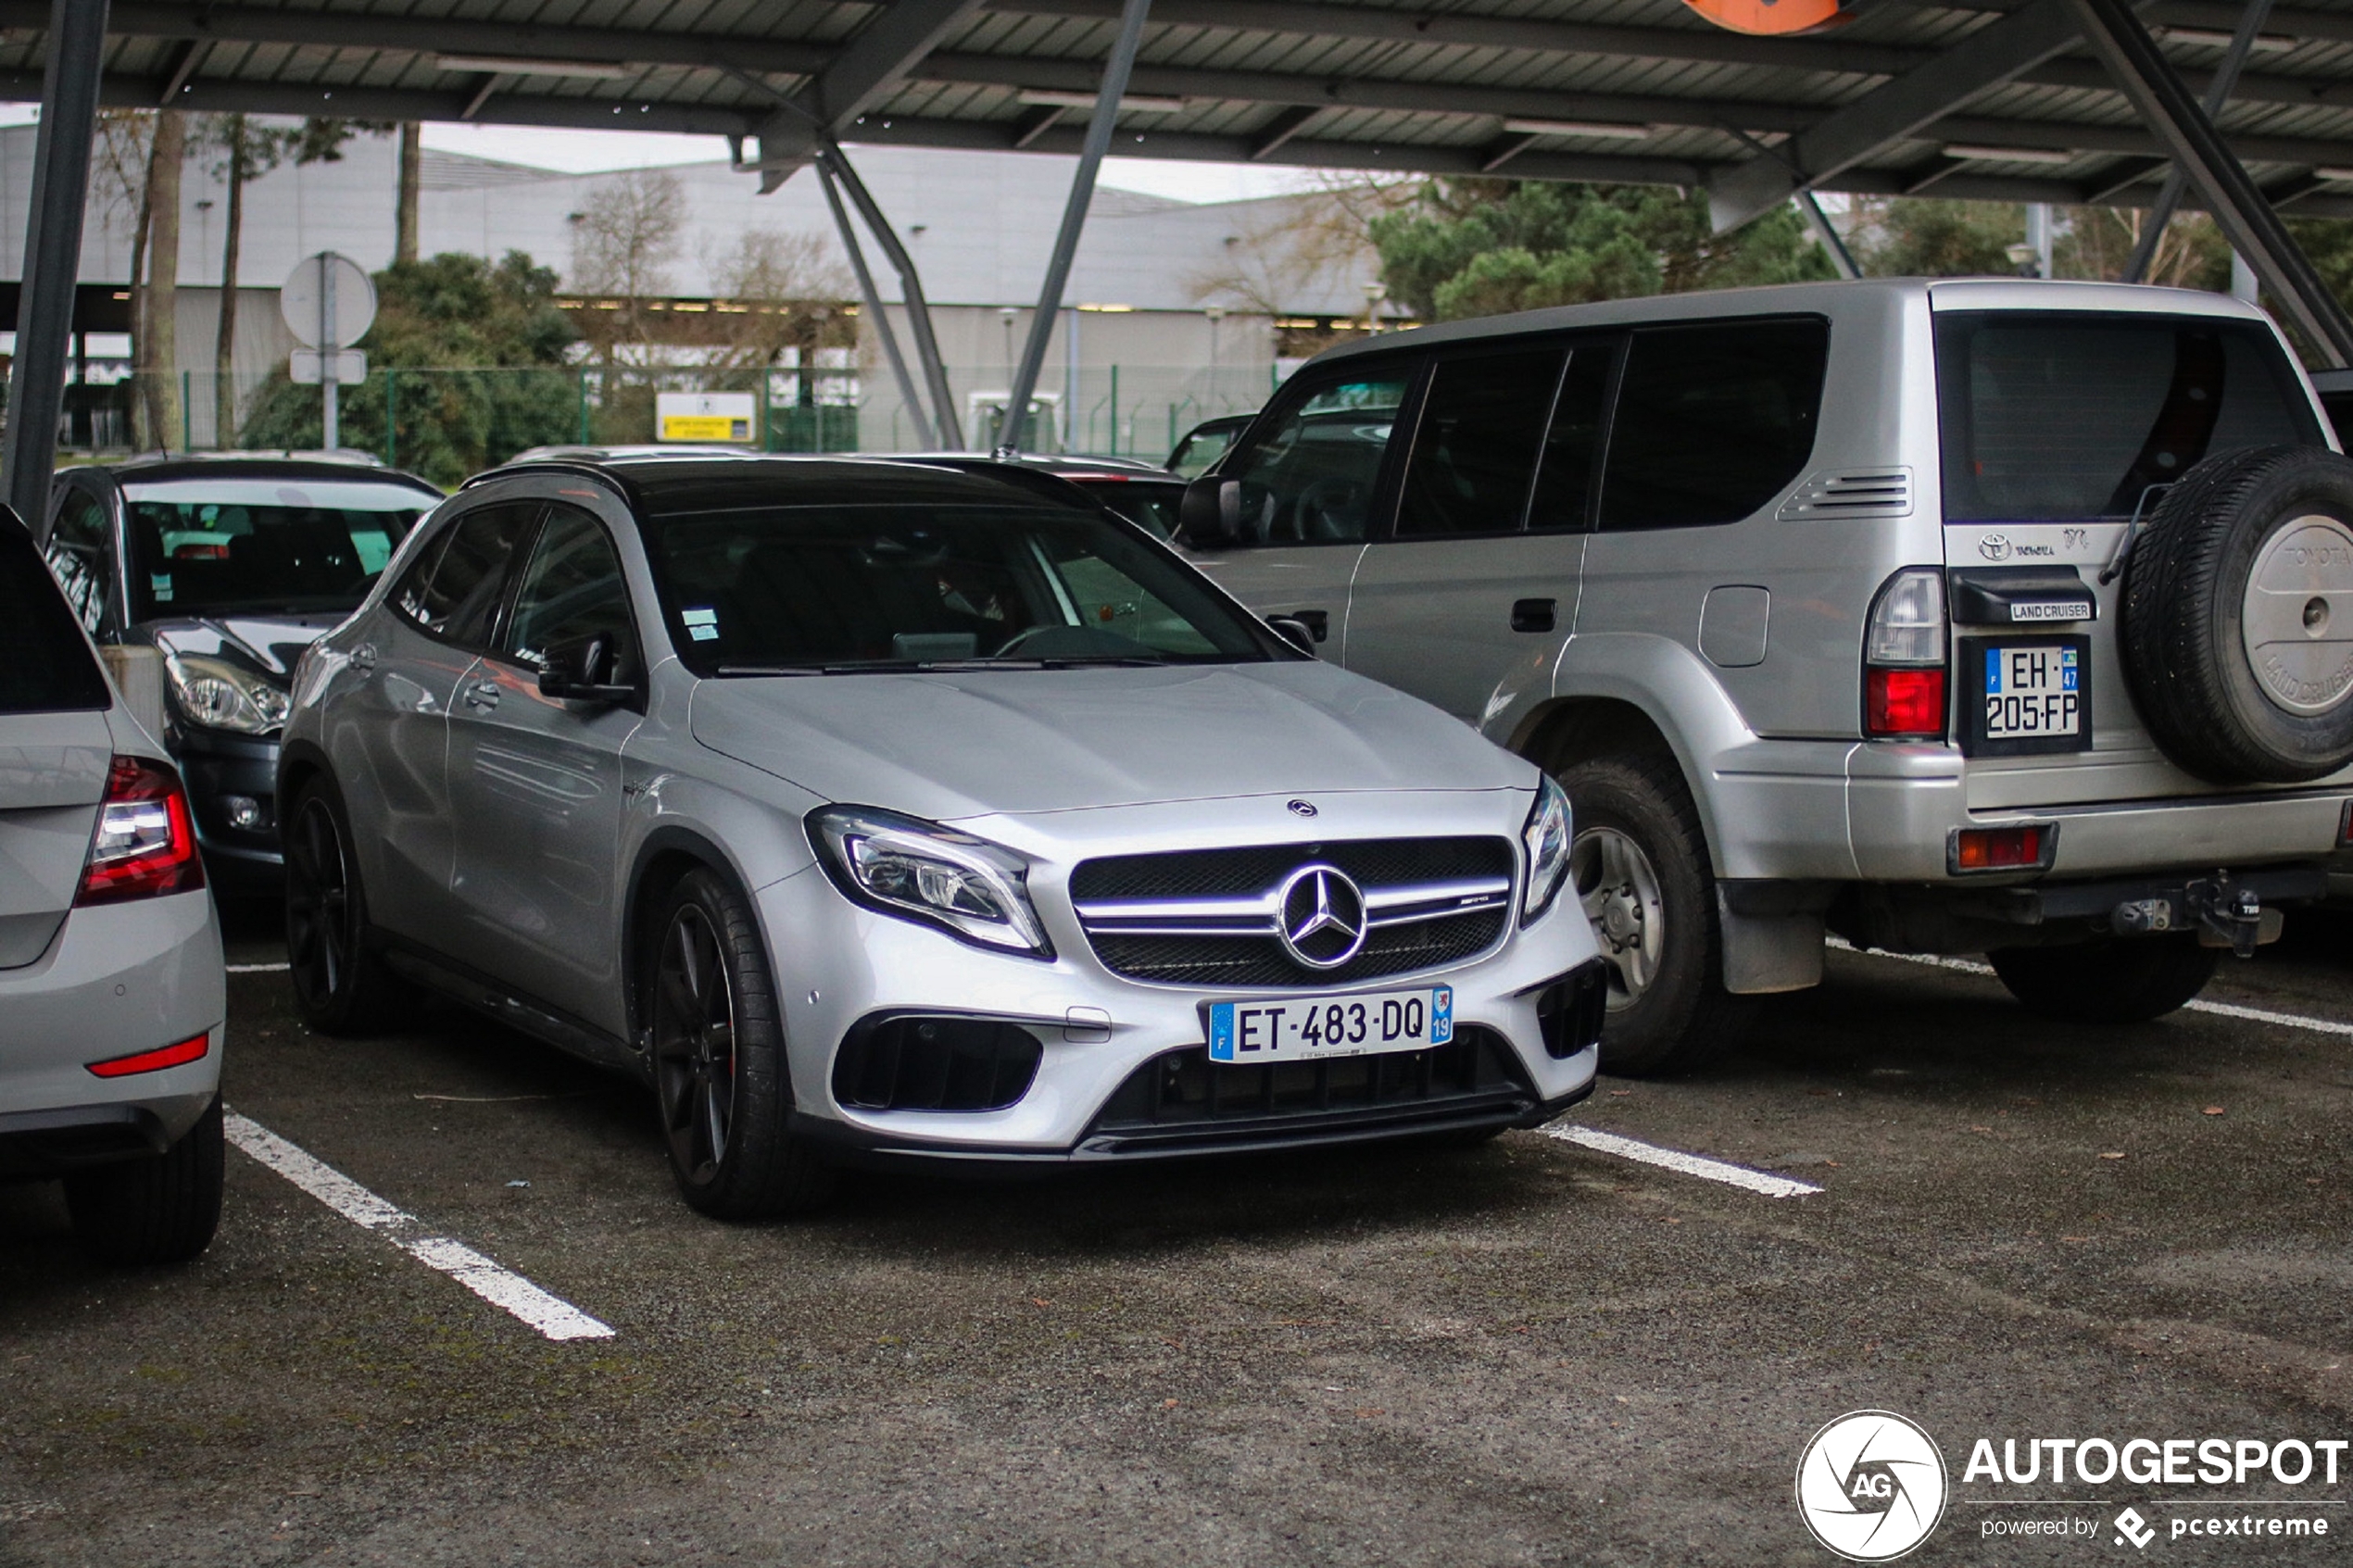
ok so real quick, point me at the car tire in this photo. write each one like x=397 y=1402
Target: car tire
x=159 y=1210
x=2227 y=642
x=722 y=1083
x=341 y=983
x=1639 y=865
x=2112 y=980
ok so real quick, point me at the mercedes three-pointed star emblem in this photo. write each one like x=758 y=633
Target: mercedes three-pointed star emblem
x=1323 y=922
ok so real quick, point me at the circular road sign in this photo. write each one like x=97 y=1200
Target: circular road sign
x=303 y=301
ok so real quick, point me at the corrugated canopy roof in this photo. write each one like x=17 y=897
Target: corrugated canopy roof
x=1974 y=98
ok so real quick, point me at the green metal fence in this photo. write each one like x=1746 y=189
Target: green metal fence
x=449 y=423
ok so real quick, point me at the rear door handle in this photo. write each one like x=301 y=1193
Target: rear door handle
x=483 y=694
x=1532 y=615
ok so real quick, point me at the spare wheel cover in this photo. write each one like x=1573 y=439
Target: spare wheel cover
x=2237 y=623
x=2296 y=619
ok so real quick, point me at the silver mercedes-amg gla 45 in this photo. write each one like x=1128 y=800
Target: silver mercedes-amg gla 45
x=872 y=810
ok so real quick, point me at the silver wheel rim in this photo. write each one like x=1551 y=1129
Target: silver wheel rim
x=1618 y=888
x=2296 y=619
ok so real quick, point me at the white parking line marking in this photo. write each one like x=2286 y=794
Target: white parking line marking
x=551 y=1315
x=1675 y=1159
x=259 y=968
x=2219 y=1009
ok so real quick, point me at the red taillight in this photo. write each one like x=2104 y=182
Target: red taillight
x=1904 y=702
x=145 y=843
x=188 y=1050
x=1997 y=849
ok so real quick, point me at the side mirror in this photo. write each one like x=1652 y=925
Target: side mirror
x=582 y=669
x=1210 y=516
x=1295 y=632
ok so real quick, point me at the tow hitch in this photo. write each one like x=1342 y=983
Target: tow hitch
x=2224 y=914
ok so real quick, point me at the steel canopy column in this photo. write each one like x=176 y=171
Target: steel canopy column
x=1832 y=241
x=2238 y=206
x=52 y=250
x=2218 y=92
x=866 y=292
x=910 y=292
x=1082 y=196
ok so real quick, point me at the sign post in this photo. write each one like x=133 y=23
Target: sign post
x=328 y=304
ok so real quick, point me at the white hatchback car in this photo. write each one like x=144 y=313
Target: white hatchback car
x=112 y=994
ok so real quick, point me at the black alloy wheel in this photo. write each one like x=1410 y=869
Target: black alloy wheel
x=340 y=983
x=693 y=1046
x=318 y=936
x=723 y=1083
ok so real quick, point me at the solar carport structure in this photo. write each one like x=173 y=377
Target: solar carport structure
x=2062 y=101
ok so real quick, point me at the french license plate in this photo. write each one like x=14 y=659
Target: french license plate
x=1307 y=1029
x=2030 y=696
x=2032 y=689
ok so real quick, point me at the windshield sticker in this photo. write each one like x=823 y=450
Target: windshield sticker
x=159 y=584
x=702 y=625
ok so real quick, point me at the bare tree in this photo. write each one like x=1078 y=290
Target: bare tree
x=624 y=242
x=119 y=165
x=158 y=311
x=245 y=149
x=403 y=241
x=776 y=291
x=1288 y=249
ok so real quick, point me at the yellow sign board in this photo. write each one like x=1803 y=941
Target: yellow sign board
x=704 y=427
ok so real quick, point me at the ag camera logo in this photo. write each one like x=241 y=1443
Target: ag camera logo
x=1871 y=1485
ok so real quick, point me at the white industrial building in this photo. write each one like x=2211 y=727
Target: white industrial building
x=1183 y=299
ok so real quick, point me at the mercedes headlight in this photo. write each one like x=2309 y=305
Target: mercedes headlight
x=920 y=871
x=1546 y=836
x=218 y=696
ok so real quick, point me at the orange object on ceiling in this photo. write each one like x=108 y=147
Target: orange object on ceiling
x=1771 y=19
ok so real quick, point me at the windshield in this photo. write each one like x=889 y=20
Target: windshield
x=257 y=546
x=1203 y=448
x=2048 y=416
x=1147 y=503
x=899 y=587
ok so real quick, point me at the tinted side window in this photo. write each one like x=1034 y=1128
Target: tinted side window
x=1564 y=497
x=1476 y=442
x=455 y=588
x=1712 y=422
x=573 y=590
x=45 y=665
x=78 y=555
x=1309 y=478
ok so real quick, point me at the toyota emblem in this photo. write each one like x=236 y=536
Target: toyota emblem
x=1323 y=917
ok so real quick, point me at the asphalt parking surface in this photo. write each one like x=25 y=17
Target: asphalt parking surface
x=1525 y=1352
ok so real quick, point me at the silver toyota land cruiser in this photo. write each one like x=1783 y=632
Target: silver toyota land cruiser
x=1984 y=616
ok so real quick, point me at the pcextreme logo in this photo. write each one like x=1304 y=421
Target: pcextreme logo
x=1871 y=1485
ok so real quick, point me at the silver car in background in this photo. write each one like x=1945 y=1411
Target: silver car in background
x=112 y=995
x=1967 y=616
x=882 y=810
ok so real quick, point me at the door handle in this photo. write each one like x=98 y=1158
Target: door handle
x=1532 y=615
x=363 y=657
x=1317 y=622
x=483 y=694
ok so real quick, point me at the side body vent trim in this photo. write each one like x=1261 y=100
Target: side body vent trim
x=1861 y=493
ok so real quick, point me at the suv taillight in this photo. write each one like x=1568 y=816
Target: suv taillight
x=1903 y=685
x=145 y=843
